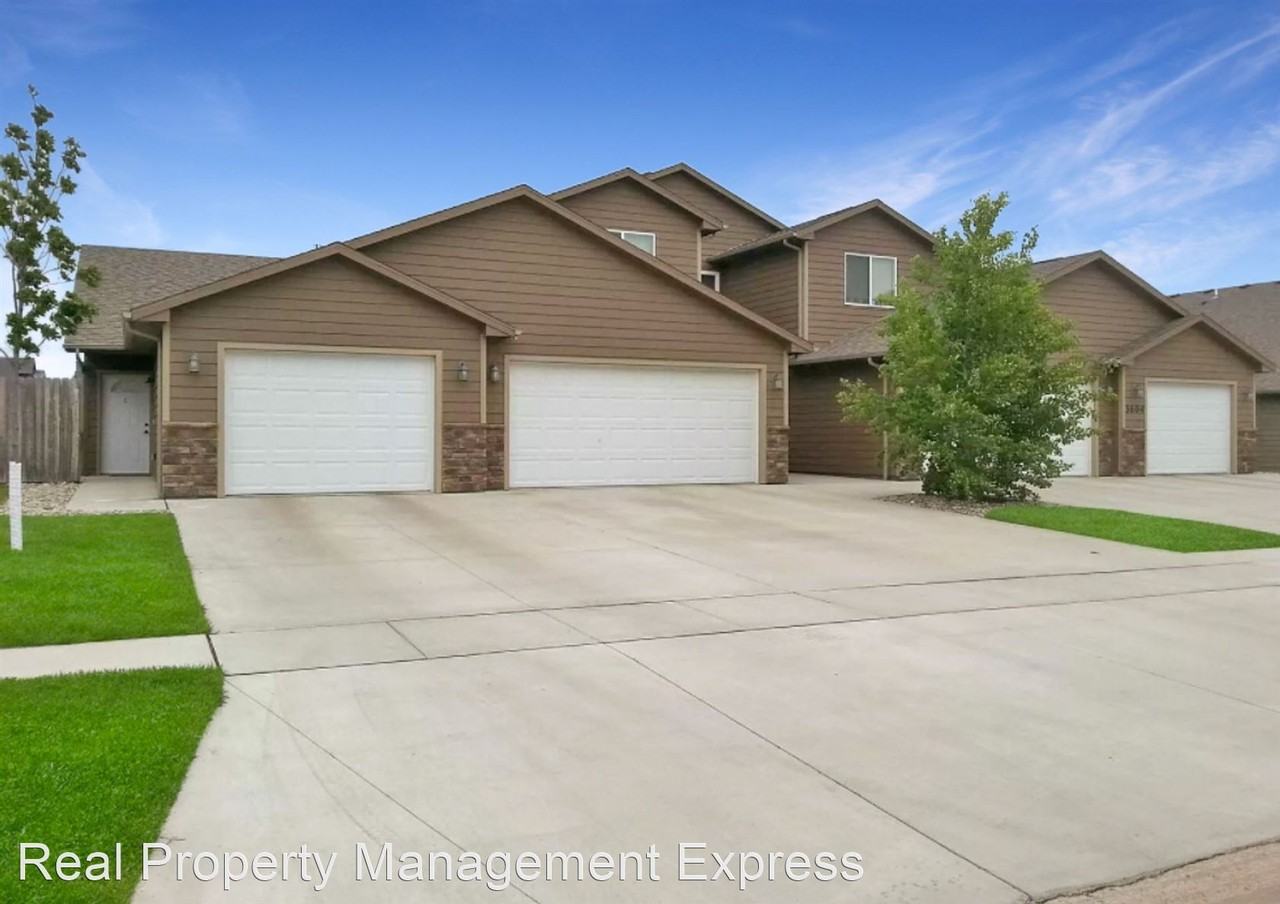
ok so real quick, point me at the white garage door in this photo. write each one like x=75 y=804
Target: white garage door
x=612 y=424
x=310 y=422
x=1188 y=428
x=1079 y=454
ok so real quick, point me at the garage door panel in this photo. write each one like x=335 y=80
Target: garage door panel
x=605 y=424
x=317 y=422
x=1188 y=428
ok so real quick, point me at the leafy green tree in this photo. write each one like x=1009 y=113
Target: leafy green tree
x=985 y=384
x=34 y=177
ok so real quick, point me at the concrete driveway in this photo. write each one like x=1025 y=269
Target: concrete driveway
x=985 y=712
x=1245 y=500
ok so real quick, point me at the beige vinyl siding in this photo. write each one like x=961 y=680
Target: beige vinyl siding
x=331 y=302
x=1267 y=454
x=872 y=232
x=625 y=205
x=1194 y=354
x=1107 y=310
x=768 y=283
x=740 y=225
x=572 y=295
x=822 y=443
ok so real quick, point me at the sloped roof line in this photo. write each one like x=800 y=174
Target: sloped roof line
x=715 y=186
x=1162 y=334
x=160 y=307
x=809 y=228
x=1052 y=269
x=1250 y=311
x=836 y=216
x=599 y=232
x=709 y=225
x=134 y=275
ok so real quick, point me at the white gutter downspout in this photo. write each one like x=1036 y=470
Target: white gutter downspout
x=802 y=287
x=134 y=331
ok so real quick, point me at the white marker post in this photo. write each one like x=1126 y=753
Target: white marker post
x=15 y=505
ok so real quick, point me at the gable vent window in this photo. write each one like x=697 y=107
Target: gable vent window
x=868 y=278
x=645 y=241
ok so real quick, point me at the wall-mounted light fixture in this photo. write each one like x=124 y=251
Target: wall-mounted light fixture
x=495 y=373
x=777 y=381
x=463 y=373
x=193 y=364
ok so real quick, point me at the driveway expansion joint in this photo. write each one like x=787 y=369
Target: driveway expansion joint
x=363 y=778
x=820 y=772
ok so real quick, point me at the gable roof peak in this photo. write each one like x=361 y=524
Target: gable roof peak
x=836 y=216
x=710 y=183
x=598 y=232
x=708 y=225
x=159 y=308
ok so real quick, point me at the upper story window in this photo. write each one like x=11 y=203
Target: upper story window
x=868 y=278
x=710 y=279
x=645 y=241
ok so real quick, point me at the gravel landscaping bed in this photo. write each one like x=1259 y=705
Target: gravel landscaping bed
x=959 y=506
x=45 y=498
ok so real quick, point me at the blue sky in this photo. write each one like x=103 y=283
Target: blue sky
x=1148 y=129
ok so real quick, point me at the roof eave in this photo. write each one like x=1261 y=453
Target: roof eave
x=1178 y=327
x=707 y=224
x=648 y=260
x=158 y=310
x=759 y=244
x=718 y=188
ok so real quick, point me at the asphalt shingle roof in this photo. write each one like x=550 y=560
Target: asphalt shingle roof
x=861 y=342
x=133 y=276
x=1251 y=312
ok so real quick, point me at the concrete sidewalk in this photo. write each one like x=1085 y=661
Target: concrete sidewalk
x=111 y=495
x=106 y=656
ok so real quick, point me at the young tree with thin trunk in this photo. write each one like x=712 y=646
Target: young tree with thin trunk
x=985 y=384
x=34 y=178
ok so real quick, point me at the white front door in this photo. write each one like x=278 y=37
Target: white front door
x=1188 y=428
x=1079 y=454
x=126 y=423
x=321 y=422
x=613 y=424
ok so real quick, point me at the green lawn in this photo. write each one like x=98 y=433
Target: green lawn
x=93 y=759
x=96 y=577
x=1175 y=534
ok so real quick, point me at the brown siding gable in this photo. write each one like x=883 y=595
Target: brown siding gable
x=809 y=229
x=707 y=223
x=692 y=173
x=159 y=310
x=1051 y=271
x=673 y=274
x=1158 y=337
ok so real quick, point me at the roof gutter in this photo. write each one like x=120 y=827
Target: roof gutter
x=132 y=330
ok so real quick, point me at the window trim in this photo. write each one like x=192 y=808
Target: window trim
x=872 y=303
x=623 y=233
x=715 y=273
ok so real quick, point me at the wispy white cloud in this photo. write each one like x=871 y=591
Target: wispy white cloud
x=1161 y=135
x=1188 y=252
x=101 y=214
x=1159 y=178
x=197 y=106
x=71 y=28
x=1146 y=48
x=902 y=172
x=1122 y=118
x=74 y=27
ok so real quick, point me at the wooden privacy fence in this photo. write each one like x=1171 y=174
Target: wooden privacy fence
x=40 y=426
